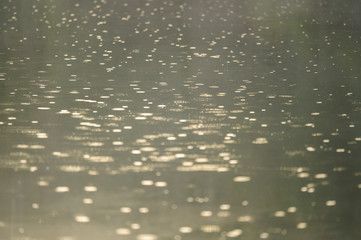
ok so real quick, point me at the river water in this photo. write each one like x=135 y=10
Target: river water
x=204 y=119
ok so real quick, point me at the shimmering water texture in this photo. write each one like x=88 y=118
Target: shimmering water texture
x=187 y=119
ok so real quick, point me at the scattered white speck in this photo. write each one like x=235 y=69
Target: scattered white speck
x=147 y=182
x=260 y=141
x=62 y=189
x=122 y=231
x=279 y=214
x=264 y=235
x=82 y=218
x=234 y=233
x=303 y=175
x=225 y=207
x=185 y=229
x=245 y=219
x=90 y=189
x=88 y=201
x=118 y=109
x=210 y=228
x=125 y=209
x=330 y=203
x=43 y=183
x=143 y=210
x=321 y=175
x=147 y=237
x=292 y=209
x=160 y=184
x=242 y=179
x=310 y=149
x=206 y=213
x=117 y=143
x=302 y=225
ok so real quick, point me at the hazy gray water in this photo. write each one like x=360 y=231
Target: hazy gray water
x=180 y=120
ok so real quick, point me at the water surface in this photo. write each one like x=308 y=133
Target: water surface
x=180 y=120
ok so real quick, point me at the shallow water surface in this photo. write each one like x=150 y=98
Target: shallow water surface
x=192 y=120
